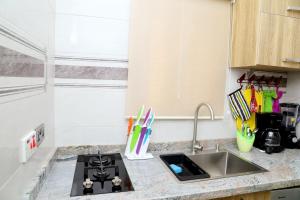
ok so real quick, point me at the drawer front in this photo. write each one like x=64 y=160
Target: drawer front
x=279 y=43
x=286 y=194
x=290 y=8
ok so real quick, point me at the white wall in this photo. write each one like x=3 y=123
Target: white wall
x=95 y=115
x=29 y=17
x=294 y=92
x=91 y=116
x=293 y=89
x=33 y=20
x=87 y=116
x=92 y=28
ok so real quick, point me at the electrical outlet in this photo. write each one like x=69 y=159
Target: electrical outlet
x=40 y=134
x=30 y=142
x=28 y=146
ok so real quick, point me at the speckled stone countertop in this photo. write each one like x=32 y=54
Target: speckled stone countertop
x=152 y=180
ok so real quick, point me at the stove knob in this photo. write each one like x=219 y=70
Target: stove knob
x=88 y=183
x=294 y=140
x=116 y=181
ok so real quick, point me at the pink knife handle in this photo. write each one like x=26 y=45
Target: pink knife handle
x=140 y=142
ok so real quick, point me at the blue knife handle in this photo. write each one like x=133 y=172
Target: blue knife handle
x=149 y=130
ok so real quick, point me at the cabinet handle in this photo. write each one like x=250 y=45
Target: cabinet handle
x=293 y=8
x=292 y=60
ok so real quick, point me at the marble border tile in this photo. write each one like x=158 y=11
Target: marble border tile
x=90 y=72
x=16 y=64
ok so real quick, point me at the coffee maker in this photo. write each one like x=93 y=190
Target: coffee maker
x=268 y=137
x=291 y=116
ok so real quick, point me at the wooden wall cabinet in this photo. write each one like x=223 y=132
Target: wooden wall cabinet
x=252 y=196
x=266 y=34
x=289 y=8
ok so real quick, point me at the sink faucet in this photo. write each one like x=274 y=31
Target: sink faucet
x=194 y=145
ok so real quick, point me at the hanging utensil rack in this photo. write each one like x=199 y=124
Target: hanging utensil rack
x=263 y=79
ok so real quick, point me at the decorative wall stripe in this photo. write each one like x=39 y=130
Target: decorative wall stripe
x=95 y=59
x=18 y=65
x=15 y=64
x=88 y=72
x=21 y=90
x=21 y=40
x=83 y=85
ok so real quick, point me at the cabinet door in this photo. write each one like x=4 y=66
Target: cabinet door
x=291 y=42
x=279 y=43
x=290 y=8
x=252 y=196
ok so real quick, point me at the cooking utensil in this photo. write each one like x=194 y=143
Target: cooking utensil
x=143 y=132
x=147 y=136
x=130 y=124
x=129 y=135
x=147 y=116
x=141 y=138
x=149 y=130
x=137 y=129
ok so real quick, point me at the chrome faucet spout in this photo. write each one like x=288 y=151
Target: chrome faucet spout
x=212 y=117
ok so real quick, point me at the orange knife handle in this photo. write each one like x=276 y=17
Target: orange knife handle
x=130 y=123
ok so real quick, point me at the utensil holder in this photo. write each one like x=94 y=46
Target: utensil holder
x=132 y=155
x=244 y=142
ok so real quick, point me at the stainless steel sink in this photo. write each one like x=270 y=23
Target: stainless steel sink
x=224 y=164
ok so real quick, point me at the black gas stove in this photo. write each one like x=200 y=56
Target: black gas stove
x=99 y=174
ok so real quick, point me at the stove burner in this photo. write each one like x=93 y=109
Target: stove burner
x=95 y=161
x=101 y=174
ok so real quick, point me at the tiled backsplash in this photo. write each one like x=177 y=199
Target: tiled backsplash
x=16 y=64
x=90 y=72
x=158 y=148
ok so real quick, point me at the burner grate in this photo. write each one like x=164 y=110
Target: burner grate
x=95 y=161
x=100 y=170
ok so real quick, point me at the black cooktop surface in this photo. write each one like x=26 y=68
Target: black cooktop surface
x=99 y=174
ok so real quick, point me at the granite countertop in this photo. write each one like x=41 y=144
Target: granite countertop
x=152 y=180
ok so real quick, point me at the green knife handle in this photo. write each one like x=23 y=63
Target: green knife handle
x=135 y=136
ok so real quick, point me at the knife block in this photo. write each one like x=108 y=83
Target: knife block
x=132 y=155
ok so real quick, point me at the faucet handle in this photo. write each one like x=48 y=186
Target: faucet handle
x=217 y=147
x=198 y=147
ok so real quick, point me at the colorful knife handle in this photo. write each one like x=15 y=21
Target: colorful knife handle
x=140 y=142
x=149 y=130
x=147 y=116
x=135 y=136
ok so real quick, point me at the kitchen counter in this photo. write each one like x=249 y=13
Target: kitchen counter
x=152 y=180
